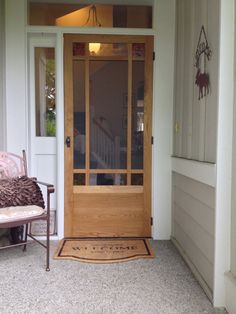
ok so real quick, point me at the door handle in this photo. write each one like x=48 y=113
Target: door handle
x=67 y=142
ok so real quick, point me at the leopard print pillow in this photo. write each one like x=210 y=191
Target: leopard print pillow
x=20 y=192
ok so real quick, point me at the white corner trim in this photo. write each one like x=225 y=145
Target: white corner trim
x=230 y=292
x=224 y=150
x=196 y=170
x=60 y=135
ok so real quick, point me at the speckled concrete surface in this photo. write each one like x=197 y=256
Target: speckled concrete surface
x=163 y=285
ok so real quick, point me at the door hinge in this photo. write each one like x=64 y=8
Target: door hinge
x=153 y=55
x=152 y=140
x=151 y=221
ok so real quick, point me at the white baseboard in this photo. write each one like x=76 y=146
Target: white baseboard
x=43 y=238
x=193 y=269
x=230 y=293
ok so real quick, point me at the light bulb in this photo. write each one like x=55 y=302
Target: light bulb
x=94 y=47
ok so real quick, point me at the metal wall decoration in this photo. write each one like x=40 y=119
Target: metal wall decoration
x=202 y=55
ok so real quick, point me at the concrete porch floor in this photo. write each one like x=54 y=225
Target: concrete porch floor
x=162 y=285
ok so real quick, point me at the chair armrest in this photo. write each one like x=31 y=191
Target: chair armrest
x=50 y=190
x=50 y=187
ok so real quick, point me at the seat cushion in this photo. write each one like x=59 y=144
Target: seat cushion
x=20 y=191
x=15 y=213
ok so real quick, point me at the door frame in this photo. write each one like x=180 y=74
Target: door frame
x=43 y=149
x=164 y=39
x=68 y=119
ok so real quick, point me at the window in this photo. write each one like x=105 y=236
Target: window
x=77 y=15
x=45 y=101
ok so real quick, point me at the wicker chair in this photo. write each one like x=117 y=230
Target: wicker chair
x=14 y=167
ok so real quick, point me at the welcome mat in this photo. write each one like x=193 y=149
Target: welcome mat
x=104 y=250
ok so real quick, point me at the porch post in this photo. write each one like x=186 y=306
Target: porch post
x=224 y=151
x=164 y=19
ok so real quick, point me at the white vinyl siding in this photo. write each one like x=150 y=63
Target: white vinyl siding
x=195 y=121
x=193 y=206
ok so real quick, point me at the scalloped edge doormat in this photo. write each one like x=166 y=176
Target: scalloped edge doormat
x=102 y=251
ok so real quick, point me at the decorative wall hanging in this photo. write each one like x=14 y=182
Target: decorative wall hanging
x=202 y=55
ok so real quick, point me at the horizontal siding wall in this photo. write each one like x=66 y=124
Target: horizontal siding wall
x=193 y=215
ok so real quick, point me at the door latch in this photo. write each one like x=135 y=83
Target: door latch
x=67 y=142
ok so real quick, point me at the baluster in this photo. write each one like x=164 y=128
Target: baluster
x=110 y=154
x=99 y=142
x=117 y=152
x=104 y=148
x=95 y=139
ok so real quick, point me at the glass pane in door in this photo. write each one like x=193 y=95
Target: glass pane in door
x=79 y=113
x=108 y=114
x=108 y=179
x=79 y=179
x=108 y=50
x=137 y=179
x=137 y=115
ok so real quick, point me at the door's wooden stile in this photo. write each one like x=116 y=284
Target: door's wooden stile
x=129 y=116
x=68 y=132
x=87 y=116
x=148 y=76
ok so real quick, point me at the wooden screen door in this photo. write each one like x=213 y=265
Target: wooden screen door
x=108 y=106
